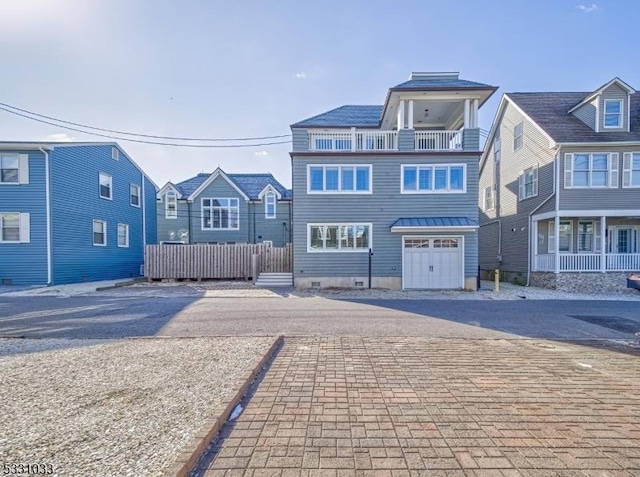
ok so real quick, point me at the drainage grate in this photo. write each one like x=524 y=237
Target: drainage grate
x=623 y=325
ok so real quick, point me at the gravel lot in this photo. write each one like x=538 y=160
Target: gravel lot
x=115 y=408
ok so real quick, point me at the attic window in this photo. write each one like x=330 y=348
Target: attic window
x=612 y=113
x=115 y=154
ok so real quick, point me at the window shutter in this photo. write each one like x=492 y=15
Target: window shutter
x=24 y=169
x=613 y=171
x=626 y=169
x=521 y=186
x=25 y=227
x=568 y=171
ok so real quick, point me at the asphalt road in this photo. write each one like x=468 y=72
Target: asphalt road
x=113 y=316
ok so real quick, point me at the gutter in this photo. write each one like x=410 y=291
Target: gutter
x=556 y=188
x=48 y=207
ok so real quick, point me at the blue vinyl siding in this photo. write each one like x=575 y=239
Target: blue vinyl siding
x=75 y=202
x=26 y=263
x=277 y=230
x=150 y=212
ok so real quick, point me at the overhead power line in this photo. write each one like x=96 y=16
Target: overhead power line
x=174 y=138
x=141 y=141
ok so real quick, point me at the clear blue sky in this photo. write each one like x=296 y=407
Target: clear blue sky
x=253 y=67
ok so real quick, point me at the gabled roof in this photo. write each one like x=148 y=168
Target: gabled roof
x=550 y=111
x=169 y=186
x=598 y=91
x=250 y=184
x=364 y=116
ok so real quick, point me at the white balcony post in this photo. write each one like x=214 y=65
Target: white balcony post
x=474 y=112
x=353 y=139
x=467 y=121
x=410 y=119
x=401 y=115
x=603 y=244
x=556 y=233
x=534 y=244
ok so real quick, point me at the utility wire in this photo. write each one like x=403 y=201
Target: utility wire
x=141 y=141
x=175 y=138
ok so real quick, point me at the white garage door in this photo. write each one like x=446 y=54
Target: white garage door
x=432 y=263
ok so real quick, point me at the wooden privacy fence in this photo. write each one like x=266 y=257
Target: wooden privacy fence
x=203 y=261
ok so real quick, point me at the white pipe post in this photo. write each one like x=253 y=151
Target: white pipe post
x=603 y=244
x=401 y=115
x=410 y=120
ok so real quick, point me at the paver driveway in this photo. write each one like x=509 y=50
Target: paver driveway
x=346 y=407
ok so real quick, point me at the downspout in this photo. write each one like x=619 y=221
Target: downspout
x=189 y=223
x=556 y=186
x=496 y=221
x=48 y=207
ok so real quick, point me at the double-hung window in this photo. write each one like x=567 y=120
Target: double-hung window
x=270 y=205
x=134 y=195
x=612 y=113
x=123 y=235
x=591 y=170
x=220 y=214
x=171 y=205
x=338 y=237
x=588 y=236
x=347 y=179
x=566 y=237
x=9 y=227
x=517 y=136
x=497 y=148
x=99 y=233
x=106 y=186
x=488 y=198
x=528 y=186
x=631 y=169
x=433 y=179
x=9 y=169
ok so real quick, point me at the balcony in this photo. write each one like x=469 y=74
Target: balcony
x=588 y=262
x=358 y=140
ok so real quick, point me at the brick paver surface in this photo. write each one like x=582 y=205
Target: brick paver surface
x=347 y=407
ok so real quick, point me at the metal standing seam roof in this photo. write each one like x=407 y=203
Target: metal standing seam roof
x=436 y=222
x=250 y=184
x=550 y=112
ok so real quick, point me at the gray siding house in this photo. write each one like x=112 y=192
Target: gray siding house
x=560 y=189
x=394 y=185
x=224 y=208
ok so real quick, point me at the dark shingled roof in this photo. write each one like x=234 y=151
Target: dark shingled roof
x=250 y=184
x=346 y=116
x=436 y=222
x=441 y=83
x=550 y=112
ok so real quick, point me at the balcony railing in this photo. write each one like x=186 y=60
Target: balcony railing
x=438 y=140
x=588 y=262
x=353 y=141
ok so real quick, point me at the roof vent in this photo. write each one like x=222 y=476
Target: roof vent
x=434 y=75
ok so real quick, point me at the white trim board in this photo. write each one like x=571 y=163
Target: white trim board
x=214 y=175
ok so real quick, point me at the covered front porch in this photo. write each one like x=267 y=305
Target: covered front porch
x=586 y=244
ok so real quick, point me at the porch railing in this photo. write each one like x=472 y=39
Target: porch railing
x=588 y=262
x=353 y=140
x=438 y=140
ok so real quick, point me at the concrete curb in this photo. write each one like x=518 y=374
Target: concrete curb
x=198 y=444
x=121 y=284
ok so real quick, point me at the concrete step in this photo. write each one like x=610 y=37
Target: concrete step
x=275 y=280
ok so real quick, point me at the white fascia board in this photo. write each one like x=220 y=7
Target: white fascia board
x=268 y=188
x=169 y=187
x=214 y=175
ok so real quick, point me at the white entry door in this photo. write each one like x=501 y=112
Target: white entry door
x=432 y=263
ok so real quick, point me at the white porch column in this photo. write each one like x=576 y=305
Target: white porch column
x=401 y=115
x=556 y=233
x=410 y=119
x=534 y=245
x=603 y=244
x=467 y=107
x=474 y=113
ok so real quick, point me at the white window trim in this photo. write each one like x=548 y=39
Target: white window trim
x=493 y=198
x=613 y=160
x=19 y=227
x=516 y=136
x=202 y=208
x=629 y=170
x=522 y=186
x=339 y=191
x=339 y=224
x=448 y=190
x=166 y=205
x=268 y=243
x=139 y=198
x=126 y=236
x=104 y=225
x=115 y=154
x=19 y=181
x=266 y=205
x=551 y=234
x=620 y=114
x=596 y=236
x=110 y=185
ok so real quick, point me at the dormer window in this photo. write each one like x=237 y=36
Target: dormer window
x=270 y=205
x=171 y=206
x=612 y=113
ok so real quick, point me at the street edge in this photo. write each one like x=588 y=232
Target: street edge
x=198 y=444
